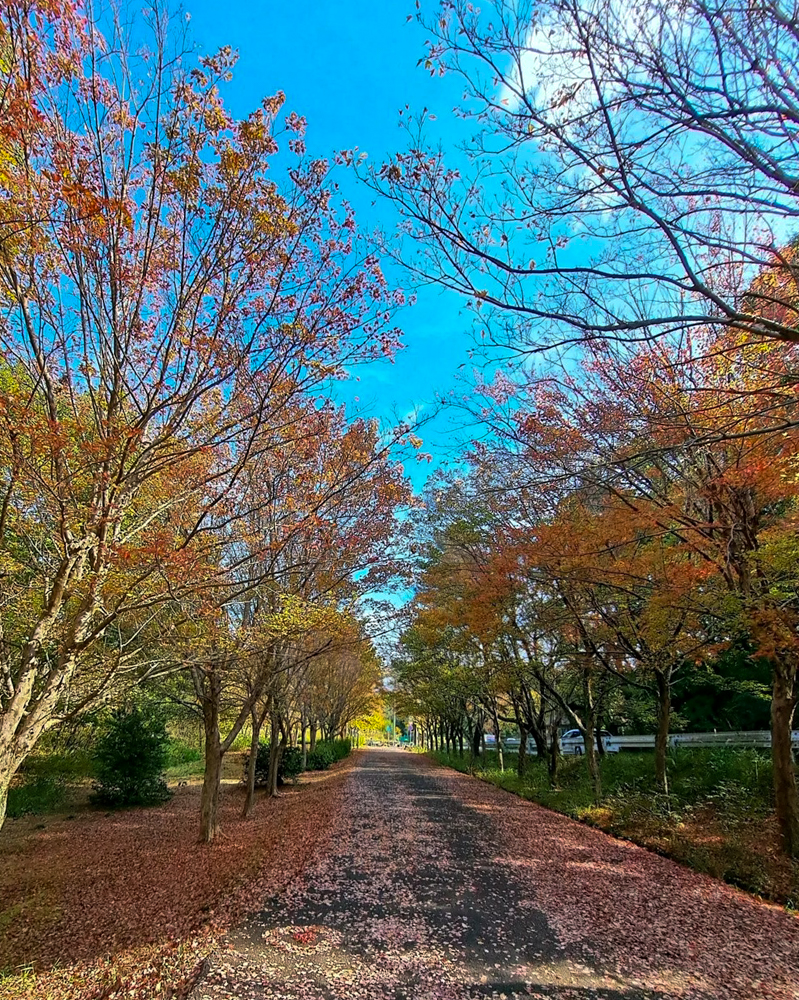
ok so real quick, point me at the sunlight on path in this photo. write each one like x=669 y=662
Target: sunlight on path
x=433 y=891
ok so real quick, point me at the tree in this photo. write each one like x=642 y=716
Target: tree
x=164 y=301
x=632 y=169
x=696 y=443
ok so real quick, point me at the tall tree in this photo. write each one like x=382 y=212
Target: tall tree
x=631 y=168
x=163 y=299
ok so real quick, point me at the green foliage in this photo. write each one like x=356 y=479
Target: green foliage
x=290 y=764
x=35 y=796
x=45 y=781
x=732 y=693
x=179 y=753
x=131 y=755
x=288 y=768
x=327 y=752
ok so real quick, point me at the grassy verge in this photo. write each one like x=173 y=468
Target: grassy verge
x=718 y=817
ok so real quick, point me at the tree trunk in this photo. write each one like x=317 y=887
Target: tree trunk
x=593 y=764
x=662 y=738
x=209 y=799
x=587 y=730
x=303 y=745
x=553 y=758
x=477 y=739
x=256 y=721
x=522 y=751
x=783 y=705
x=274 y=756
x=312 y=746
x=500 y=754
x=7 y=772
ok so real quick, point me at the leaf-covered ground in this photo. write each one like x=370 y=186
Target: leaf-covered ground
x=436 y=886
x=128 y=904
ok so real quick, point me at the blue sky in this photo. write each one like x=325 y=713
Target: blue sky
x=349 y=66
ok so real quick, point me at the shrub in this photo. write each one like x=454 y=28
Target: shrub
x=179 y=753
x=288 y=769
x=327 y=752
x=321 y=758
x=290 y=764
x=35 y=794
x=45 y=780
x=130 y=758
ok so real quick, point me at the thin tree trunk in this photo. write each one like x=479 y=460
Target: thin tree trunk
x=593 y=764
x=256 y=721
x=475 y=740
x=498 y=734
x=209 y=797
x=783 y=705
x=553 y=758
x=588 y=731
x=520 y=765
x=274 y=755
x=662 y=738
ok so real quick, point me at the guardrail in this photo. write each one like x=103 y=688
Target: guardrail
x=751 y=738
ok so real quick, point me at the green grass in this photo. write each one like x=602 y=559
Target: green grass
x=49 y=780
x=187 y=769
x=717 y=817
x=735 y=780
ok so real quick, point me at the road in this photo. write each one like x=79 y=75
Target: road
x=436 y=886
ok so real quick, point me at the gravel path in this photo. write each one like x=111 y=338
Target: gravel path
x=440 y=887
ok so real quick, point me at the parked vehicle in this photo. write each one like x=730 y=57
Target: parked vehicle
x=572 y=742
x=512 y=743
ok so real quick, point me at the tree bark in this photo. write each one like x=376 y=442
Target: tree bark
x=274 y=755
x=553 y=758
x=209 y=798
x=520 y=764
x=500 y=754
x=257 y=721
x=662 y=738
x=587 y=730
x=477 y=739
x=786 y=795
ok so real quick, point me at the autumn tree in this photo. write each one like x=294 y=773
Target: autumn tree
x=164 y=299
x=630 y=169
x=697 y=443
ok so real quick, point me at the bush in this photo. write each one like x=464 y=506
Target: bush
x=179 y=753
x=290 y=764
x=321 y=758
x=327 y=752
x=46 y=779
x=289 y=767
x=130 y=758
x=36 y=794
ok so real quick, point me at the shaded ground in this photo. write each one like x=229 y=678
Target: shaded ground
x=436 y=885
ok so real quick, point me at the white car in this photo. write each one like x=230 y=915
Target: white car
x=572 y=742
